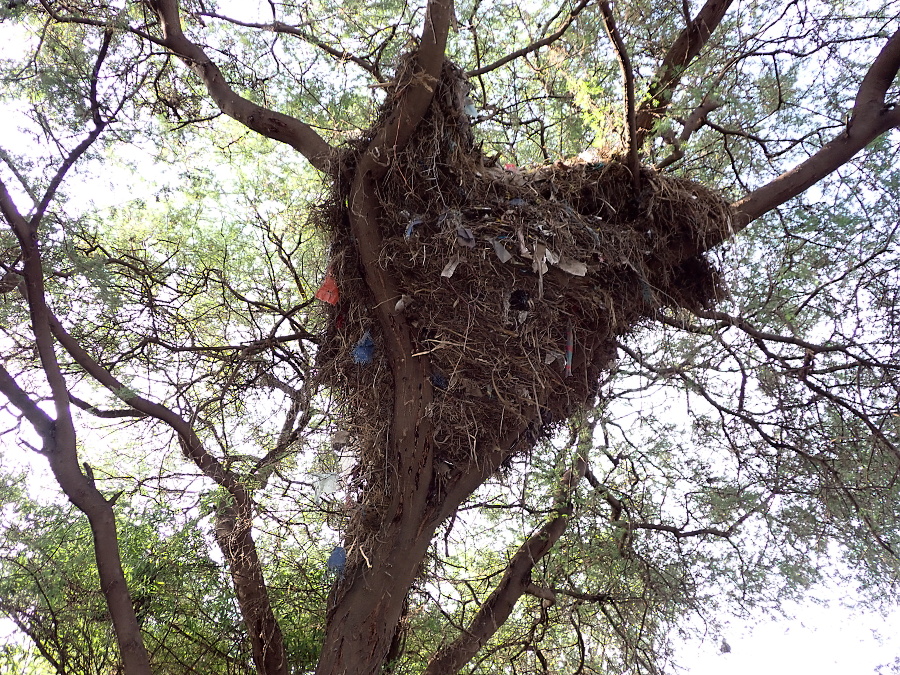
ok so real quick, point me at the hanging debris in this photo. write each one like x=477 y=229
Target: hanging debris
x=364 y=349
x=328 y=291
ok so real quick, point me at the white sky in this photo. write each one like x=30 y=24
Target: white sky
x=820 y=641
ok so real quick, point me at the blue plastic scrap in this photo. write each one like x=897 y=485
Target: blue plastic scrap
x=439 y=380
x=411 y=227
x=364 y=349
x=336 y=561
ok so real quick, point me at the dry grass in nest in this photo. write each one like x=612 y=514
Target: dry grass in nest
x=500 y=269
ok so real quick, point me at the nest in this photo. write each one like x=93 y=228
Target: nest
x=515 y=282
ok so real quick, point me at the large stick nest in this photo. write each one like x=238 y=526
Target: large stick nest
x=500 y=269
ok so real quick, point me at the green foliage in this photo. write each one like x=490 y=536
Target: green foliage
x=737 y=453
x=51 y=591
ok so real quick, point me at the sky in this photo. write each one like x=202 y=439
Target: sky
x=819 y=640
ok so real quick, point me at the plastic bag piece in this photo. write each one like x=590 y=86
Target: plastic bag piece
x=337 y=561
x=464 y=237
x=504 y=255
x=554 y=356
x=364 y=350
x=572 y=266
x=450 y=219
x=439 y=380
x=450 y=267
x=402 y=303
x=411 y=227
x=539 y=263
x=328 y=291
x=326 y=484
x=520 y=300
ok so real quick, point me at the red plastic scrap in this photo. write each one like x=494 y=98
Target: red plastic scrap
x=328 y=291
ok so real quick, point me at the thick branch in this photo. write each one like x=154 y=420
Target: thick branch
x=516 y=581
x=364 y=213
x=417 y=92
x=41 y=421
x=683 y=51
x=106 y=414
x=191 y=444
x=233 y=529
x=869 y=118
x=60 y=447
x=269 y=123
x=688 y=126
x=234 y=535
x=609 y=21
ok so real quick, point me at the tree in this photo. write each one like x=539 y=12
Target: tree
x=190 y=320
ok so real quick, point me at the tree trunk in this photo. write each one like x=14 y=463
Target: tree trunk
x=82 y=493
x=234 y=535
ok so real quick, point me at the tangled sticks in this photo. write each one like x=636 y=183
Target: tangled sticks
x=515 y=283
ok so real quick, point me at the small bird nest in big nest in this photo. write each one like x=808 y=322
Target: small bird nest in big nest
x=514 y=282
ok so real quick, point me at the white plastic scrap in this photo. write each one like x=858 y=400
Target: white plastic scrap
x=573 y=267
x=539 y=264
x=554 y=356
x=504 y=255
x=326 y=484
x=464 y=237
x=402 y=303
x=450 y=267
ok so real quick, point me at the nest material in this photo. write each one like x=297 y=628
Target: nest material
x=500 y=269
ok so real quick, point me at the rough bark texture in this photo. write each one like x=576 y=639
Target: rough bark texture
x=365 y=608
x=234 y=535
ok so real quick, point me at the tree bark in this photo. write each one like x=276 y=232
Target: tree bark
x=234 y=535
x=59 y=443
